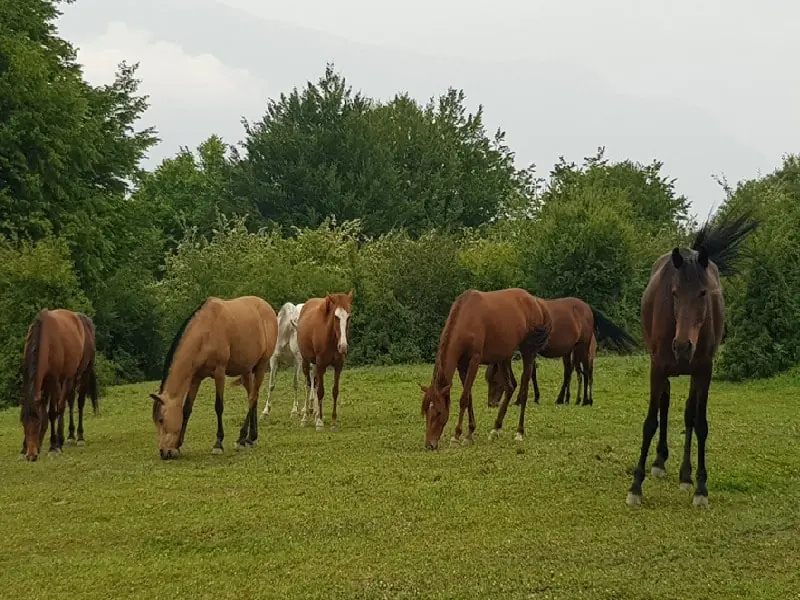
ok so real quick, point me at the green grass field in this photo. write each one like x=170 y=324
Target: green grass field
x=366 y=512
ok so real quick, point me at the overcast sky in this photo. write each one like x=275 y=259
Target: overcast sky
x=706 y=87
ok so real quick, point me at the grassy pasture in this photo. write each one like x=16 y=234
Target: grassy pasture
x=367 y=513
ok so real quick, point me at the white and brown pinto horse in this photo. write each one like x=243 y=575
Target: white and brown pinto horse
x=322 y=335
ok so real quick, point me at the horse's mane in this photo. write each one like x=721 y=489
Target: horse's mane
x=444 y=339
x=722 y=238
x=30 y=363
x=174 y=346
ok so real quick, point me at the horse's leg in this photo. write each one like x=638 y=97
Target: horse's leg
x=522 y=397
x=466 y=397
x=53 y=414
x=62 y=407
x=219 y=405
x=536 y=394
x=337 y=372
x=589 y=382
x=273 y=372
x=579 y=379
x=188 y=405
x=662 y=450
x=657 y=383
x=307 y=372
x=320 y=375
x=689 y=413
x=258 y=378
x=463 y=369
x=703 y=382
x=297 y=367
x=511 y=381
x=247 y=383
x=563 y=395
x=527 y=368
x=71 y=402
x=81 y=404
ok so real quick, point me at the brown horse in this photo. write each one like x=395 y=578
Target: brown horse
x=683 y=320
x=58 y=357
x=323 y=331
x=482 y=328
x=576 y=326
x=221 y=337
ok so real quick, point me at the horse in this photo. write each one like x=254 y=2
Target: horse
x=323 y=330
x=58 y=356
x=482 y=328
x=585 y=368
x=285 y=349
x=576 y=326
x=683 y=322
x=221 y=337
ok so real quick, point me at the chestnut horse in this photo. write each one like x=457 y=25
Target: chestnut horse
x=221 y=337
x=323 y=330
x=683 y=321
x=576 y=326
x=482 y=328
x=58 y=358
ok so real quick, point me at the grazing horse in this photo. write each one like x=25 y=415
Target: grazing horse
x=683 y=321
x=323 y=330
x=482 y=328
x=221 y=337
x=576 y=326
x=58 y=357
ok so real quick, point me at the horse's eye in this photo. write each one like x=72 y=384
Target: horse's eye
x=702 y=293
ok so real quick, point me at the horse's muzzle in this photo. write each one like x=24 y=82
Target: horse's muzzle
x=683 y=351
x=342 y=348
x=169 y=454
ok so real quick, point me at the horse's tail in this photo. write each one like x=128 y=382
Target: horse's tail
x=93 y=387
x=539 y=338
x=722 y=239
x=616 y=335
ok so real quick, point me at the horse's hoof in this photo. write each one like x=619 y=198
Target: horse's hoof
x=700 y=501
x=518 y=437
x=217 y=450
x=303 y=422
x=69 y=441
x=633 y=499
x=21 y=456
x=467 y=441
x=658 y=472
x=686 y=487
x=264 y=416
x=54 y=452
x=80 y=443
x=493 y=434
x=319 y=427
x=293 y=414
x=252 y=443
x=240 y=446
x=334 y=427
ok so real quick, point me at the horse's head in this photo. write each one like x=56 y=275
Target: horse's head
x=168 y=419
x=496 y=383
x=436 y=410
x=340 y=305
x=34 y=419
x=690 y=289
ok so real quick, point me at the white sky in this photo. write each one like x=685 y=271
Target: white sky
x=706 y=87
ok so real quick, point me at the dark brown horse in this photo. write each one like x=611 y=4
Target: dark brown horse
x=323 y=330
x=683 y=321
x=482 y=328
x=58 y=358
x=576 y=326
x=221 y=337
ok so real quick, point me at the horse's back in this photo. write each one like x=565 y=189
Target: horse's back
x=64 y=339
x=244 y=328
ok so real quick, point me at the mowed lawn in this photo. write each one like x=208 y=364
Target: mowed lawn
x=366 y=512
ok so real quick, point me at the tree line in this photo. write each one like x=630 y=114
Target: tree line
x=407 y=203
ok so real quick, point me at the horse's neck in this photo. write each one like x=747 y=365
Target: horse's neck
x=181 y=371
x=444 y=370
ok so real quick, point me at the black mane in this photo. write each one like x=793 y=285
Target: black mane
x=723 y=237
x=174 y=346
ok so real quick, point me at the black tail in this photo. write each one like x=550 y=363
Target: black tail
x=539 y=338
x=723 y=238
x=92 y=388
x=617 y=337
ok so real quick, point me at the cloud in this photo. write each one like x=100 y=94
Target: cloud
x=168 y=73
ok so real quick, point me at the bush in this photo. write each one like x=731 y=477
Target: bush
x=32 y=277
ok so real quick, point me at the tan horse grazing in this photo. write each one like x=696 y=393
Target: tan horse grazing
x=683 y=321
x=323 y=331
x=482 y=328
x=58 y=357
x=576 y=326
x=221 y=337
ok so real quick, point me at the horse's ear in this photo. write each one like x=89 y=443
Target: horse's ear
x=328 y=303
x=424 y=388
x=350 y=295
x=677 y=259
x=445 y=390
x=156 y=398
x=702 y=257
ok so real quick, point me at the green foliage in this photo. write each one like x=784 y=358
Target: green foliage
x=327 y=151
x=32 y=277
x=764 y=300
